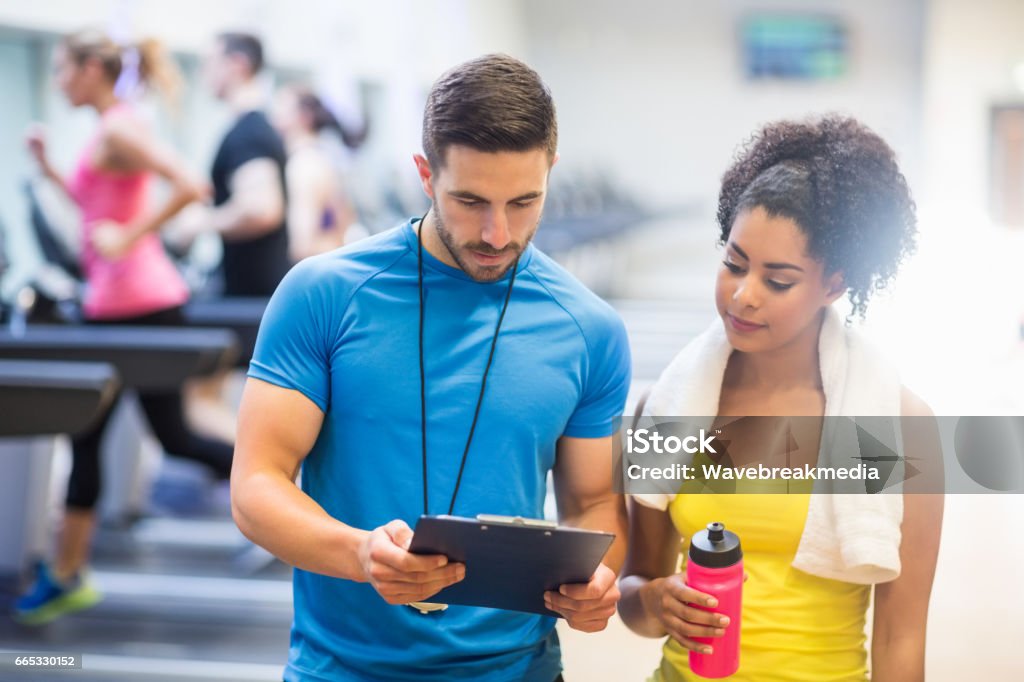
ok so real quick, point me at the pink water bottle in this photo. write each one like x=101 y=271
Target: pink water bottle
x=715 y=567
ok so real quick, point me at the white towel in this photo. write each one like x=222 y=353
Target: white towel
x=850 y=537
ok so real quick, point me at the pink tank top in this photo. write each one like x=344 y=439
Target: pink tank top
x=142 y=281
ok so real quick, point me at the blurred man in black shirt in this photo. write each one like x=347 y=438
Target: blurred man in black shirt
x=248 y=174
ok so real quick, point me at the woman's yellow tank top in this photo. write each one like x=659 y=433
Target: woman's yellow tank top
x=796 y=627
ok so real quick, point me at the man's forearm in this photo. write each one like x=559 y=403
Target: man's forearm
x=274 y=513
x=234 y=221
x=607 y=515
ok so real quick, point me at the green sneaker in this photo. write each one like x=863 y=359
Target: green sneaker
x=48 y=599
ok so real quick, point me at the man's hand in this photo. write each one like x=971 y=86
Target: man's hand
x=399 y=576
x=587 y=607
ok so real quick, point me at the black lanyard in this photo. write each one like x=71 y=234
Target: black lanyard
x=423 y=381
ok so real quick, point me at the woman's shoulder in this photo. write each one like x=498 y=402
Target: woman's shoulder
x=124 y=126
x=310 y=156
x=308 y=164
x=912 y=405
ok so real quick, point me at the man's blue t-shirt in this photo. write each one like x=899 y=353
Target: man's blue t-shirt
x=343 y=329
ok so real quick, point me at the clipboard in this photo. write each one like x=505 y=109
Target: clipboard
x=510 y=561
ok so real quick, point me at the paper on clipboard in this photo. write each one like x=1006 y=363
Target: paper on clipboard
x=510 y=561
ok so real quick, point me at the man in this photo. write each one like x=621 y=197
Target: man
x=445 y=366
x=247 y=174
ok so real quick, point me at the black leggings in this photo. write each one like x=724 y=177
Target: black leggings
x=166 y=417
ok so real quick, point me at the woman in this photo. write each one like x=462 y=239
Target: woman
x=808 y=212
x=129 y=280
x=319 y=211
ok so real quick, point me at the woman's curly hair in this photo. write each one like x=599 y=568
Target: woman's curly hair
x=840 y=183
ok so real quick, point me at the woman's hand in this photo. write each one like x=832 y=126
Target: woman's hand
x=111 y=239
x=677 y=606
x=35 y=139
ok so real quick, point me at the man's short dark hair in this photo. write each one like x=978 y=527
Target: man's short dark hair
x=245 y=44
x=494 y=103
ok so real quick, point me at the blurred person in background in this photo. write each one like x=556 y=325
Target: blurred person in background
x=248 y=175
x=320 y=211
x=249 y=205
x=808 y=212
x=129 y=278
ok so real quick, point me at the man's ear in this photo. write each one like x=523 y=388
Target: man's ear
x=240 y=66
x=835 y=287
x=425 y=173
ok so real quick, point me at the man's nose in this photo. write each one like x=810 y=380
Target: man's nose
x=496 y=233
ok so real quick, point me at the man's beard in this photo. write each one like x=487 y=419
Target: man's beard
x=480 y=273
